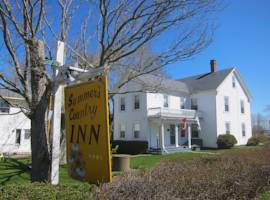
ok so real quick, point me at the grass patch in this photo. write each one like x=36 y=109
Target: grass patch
x=17 y=170
x=148 y=161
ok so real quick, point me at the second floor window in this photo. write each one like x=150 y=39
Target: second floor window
x=136 y=130
x=228 y=127
x=122 y=131
x=194 y=104
x=182 y=103
x=122 y=104
x=243 y=130
x=136 y=102
x=166 y=101
x=226 y=104
x=242 y=104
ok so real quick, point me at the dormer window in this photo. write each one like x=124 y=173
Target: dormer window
x=166 y=101
x=233 y=82
x=4 y=106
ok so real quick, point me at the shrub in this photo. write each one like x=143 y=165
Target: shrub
x=226 y=141
x=237 y=175
x=130 y=147
x=29 y=191
x=258 y=139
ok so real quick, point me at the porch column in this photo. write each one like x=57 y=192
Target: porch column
x=176 y=135
x=189 y=136
x=162 y=146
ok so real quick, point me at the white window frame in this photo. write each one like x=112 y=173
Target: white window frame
x=228 y=104
x=136 y=135
x=122 y=104
x=228 y=131
x=166 y=101
x=134 y=102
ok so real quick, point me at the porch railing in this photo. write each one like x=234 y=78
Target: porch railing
x=168 y=112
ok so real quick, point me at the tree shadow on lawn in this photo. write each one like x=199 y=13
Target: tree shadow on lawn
x=15 y=169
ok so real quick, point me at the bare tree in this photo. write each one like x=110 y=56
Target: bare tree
x=113 y=31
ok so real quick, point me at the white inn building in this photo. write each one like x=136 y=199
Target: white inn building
x=14 y=126
x=172 y=115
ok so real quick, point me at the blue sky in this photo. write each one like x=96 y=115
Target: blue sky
x=242 y=40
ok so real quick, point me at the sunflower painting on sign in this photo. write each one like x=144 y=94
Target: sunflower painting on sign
x=77 y=164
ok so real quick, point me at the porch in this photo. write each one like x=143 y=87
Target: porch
x=168 y=134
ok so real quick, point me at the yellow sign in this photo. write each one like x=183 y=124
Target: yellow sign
x=87 y=131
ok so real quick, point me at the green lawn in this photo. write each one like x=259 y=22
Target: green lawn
x=17 y=171
x=264 y=196
x=148 y=161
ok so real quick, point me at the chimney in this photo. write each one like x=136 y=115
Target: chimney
x=213 y=64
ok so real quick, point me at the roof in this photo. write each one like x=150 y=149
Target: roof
x=207 y=81
x=13 y=98
x=155 y=82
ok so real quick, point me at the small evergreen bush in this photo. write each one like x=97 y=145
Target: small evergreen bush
x=258 y=139
x=226 y=141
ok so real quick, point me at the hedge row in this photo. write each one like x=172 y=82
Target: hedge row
x=130 y=147
x=237 y=175
x=45 y=191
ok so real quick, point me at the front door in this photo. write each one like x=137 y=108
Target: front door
x=172 y=134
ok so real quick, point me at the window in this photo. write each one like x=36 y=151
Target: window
x=194 y=104
x=233 y=81
x=27 y=134
x=226 y=104
x=4 y=106
x=122 y=104
x=182 y=103
x=243 y=130
x=242 y=104
x=136 y=130
x=166 y=101
x=122 y=131
x=18 y=136
x=136 y=102
x=194 y=131
x=228 y=127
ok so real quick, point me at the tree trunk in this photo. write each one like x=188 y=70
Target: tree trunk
x=41 y=161
x=41 y=90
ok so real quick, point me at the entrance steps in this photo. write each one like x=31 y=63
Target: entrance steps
x=169 y=150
